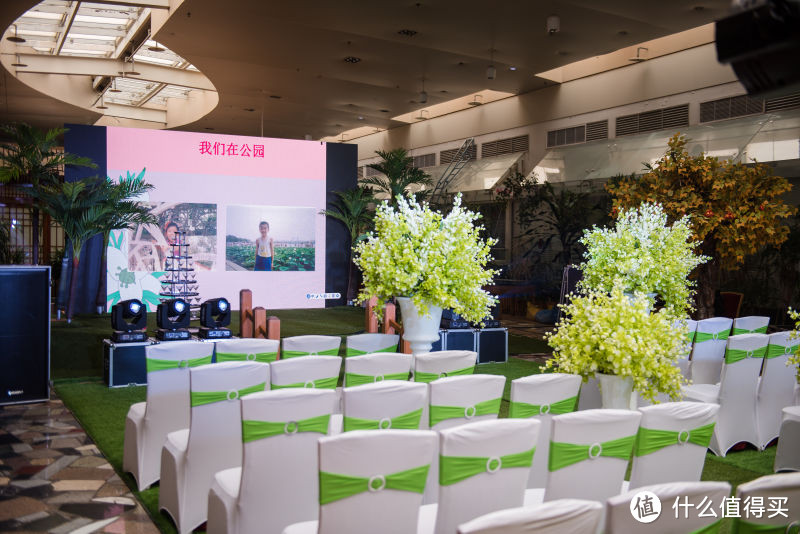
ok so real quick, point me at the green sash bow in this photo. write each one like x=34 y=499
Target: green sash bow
x=759 y=330
x=356 y=352
x=353 y=379
x=453 y=469
x=286 y=354
x=649 y=440
x=165 y=365
x=407 y=421
x=699 y=337
x=263 y=357
x=255 y=430
x=740 y=526
x=438 y=414
x=422 y=376
x=334 y=487
x=565 y=454
x=712 y=528
x=322 y=383
x=773 y=351
x=523 y=410
x=737 y=355
x=200 y=398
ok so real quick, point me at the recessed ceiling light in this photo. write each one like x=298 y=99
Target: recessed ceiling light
x=352 y=59
x=407 y=33
x=512 y=68
x=15 y=38
x=622 y=32
x=443 y=91
x=209 y=128
x=384 y=110
x=699 y=8
x=249 y=109
x=562 y=53
x=276 y=97
x=360 y=117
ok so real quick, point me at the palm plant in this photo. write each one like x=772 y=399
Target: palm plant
x=398 y=173
x=32 y=157
x=352 y=209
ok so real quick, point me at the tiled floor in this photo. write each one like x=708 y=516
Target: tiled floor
x=54 y=479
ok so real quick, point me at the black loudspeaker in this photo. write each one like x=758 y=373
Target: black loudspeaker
x=492 y=345
x=24 y=333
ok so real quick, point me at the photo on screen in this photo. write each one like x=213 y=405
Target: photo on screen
x=149 y=245
x=270 y=238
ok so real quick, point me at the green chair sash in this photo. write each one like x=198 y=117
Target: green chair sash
x=354 y=379
x=690 y=336
x=711 y=528
x=256 y=430
x=699 y=337
x=422 y=376
x=263 y=357
x=322 y=383
x=164 y=365
x=356 y=352
x=759 y=330
x=773 y=351
x=453 y=469
x=740 y=526
x=334 y=487
x=437 y=414
x=286 y=354
x=650 y=440
x=566 y=454
x=737 y=355
x=200 y=398
x=523 y=410
x=407 y=421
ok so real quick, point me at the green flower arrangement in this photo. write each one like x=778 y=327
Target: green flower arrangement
x=642 y=253
x=433 y=259
x=611 y=333
x=794 y=359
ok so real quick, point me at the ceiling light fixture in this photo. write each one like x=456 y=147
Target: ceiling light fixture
x=512 y=68
x=553 y=24
x=407 y=33
x=15 y=38
x=113 y=88
x=384 y=110
x=352 y=59
x=19 y=63
x=476 y=101
x=638 y=58
x=361 y=117
x=276 y=97
x=102 y=104
x=423 y=115
x=131 y=72
x=423 y=96
x=157 y=47
x=491 y=71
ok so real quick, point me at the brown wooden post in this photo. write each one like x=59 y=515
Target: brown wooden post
x=371 y=320
x=405 y=346
x=260 y=322
x=274 y=331
x=389 y=316
x=245 y=313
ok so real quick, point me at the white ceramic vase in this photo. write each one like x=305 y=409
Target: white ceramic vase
x=419 y=330
x=617 y=392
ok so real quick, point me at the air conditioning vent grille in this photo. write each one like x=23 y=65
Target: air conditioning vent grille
x=509 y=145
x=425 y=160
x=783 y=102
x=566 y=136
x=650 y=121
x=596 y=130
x=729 y=108
x=628 y=125
x=447 y=156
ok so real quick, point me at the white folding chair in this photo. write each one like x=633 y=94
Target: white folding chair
x=753 y=324
x=671 y=443
x=361 y=344
x=776 y=386
x=429 y=366
x=787 y=457
x=384 y=405
x=310 y=346
x=620 y=520
x=555 y=517
x=319 y=372
x=784 y=486
x=543 y=396
x=590 y=397
x=483 y=467
x=735 y=394
x=247 y=349
x=280 y=431
x=709 y=349
x=166 y=408
x=213 y=442
x=371 y=481
x=376 y=367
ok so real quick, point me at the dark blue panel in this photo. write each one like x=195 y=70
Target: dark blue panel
x=341 y=174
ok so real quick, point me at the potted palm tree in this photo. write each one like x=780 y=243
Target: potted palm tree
x=397 y=175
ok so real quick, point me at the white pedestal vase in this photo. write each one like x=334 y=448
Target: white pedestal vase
x=419 y=330
x=617 y=392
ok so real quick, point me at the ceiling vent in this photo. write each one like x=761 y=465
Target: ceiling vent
x=783 y=102
x=650 y=121
x=447 y=156
x=729 y=108
x=509 y=145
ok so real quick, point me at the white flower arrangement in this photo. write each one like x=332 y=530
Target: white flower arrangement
x=416 y=252
x=642 y=253
x=611 y=333
x=794 y=359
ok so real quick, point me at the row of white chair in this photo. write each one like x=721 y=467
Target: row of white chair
x=266 y=350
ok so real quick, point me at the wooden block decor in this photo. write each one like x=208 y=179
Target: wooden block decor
x=371 y=320
x=273 y=327
x=260 y=322
x=405 y=346
x=246 y=313
x=389 y=318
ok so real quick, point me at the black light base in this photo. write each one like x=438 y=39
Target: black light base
x=134 y=336
x=172 y=335
x=215 y=333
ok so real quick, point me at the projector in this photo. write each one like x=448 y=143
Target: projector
x=762 y=43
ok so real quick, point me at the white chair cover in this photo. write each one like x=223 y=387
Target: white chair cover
x=360 y=344
x=306 y=372
x=390 y=404
x=776 y=386
x=682 y=459
x=753 y=324
x=249 y=498
x=310 y=346
x=166 y=409
x=769 y=487
x=707 y=355
x=376 y=366
x=373 y=455
x=596 y=477
x=247 y=349
x=429 y=366
x=543 y=396
x=490 y=481
x=590 y=396
x=683 y=359
x=620 y=520
x=555 y=517
x=736 y=395
x=213 y=442
x=787 y=457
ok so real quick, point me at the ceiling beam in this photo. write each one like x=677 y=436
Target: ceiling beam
x=129 y=112
x=153 y=4
x=150 y=94
x=132 y=31
x=68 y=20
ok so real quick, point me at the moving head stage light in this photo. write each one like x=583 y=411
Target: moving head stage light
x=129 y=321
x=215 y=314
x=173 y=318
